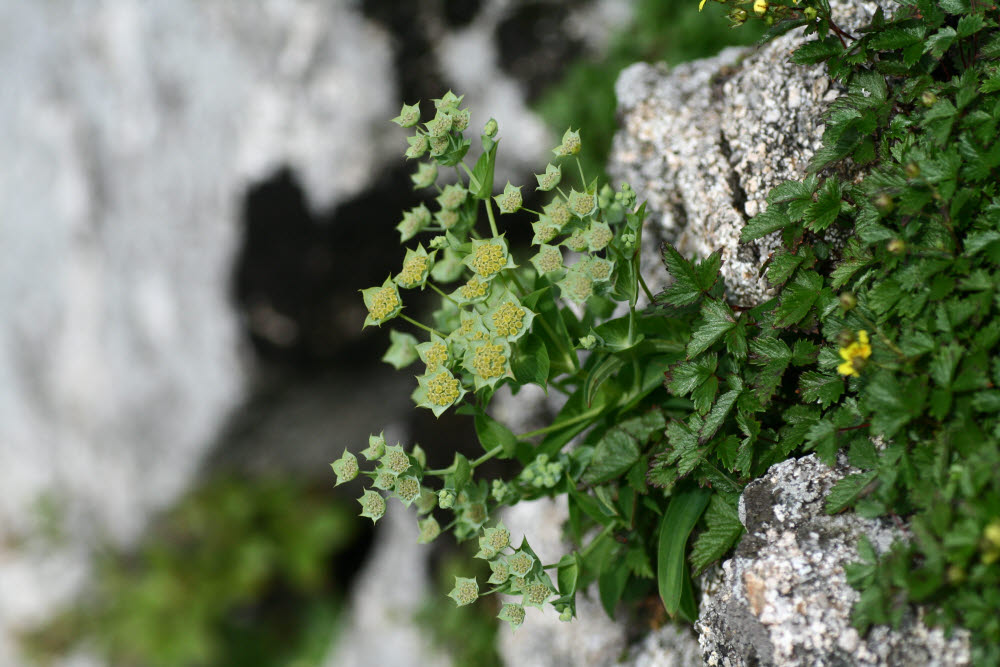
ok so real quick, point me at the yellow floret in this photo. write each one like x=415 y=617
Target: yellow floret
x=474 y=288
x=442 y=389
x=489 y=361
x=489 y=260
x=858 y=350
x=413 y=270
x=508 y=319
x=384 y=302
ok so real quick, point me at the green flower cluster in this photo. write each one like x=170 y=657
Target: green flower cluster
x=498 y=322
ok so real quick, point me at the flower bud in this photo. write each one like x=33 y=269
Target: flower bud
x=446 y=499
x=809 y=13
x=466 y=591
x=372 y=505
x=426 y=174
x=429 y=530
x=409 y=116
x=510 y=199
x=491 y=128
x=848 y=300
x=460 y=120
x=513 y=614
x=418 y=146
x=550 y=179
x=440 y=125
x=376 y=447
x=566 y=615
x=884 y=204
x=346 y=468
x=927 y=98
x=896 y=246
x=738 y=16
x=912 y=170
x=760 y=7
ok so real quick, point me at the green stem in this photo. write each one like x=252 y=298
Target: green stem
x=645 y=287
x=438 y=290
x=493 y=222
x=583 y=179
x=556 y=426
x=422 y=326
x=486 y=457
x=593 y=543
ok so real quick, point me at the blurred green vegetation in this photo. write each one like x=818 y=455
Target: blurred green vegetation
x=240 y=572
x=670 y=31
x=468 y=633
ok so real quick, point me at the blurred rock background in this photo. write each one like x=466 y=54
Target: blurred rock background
x=192 y=196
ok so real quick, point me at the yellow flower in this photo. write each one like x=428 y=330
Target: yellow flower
x=858 y=350
x=701 y=4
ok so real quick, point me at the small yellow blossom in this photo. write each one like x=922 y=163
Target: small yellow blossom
x=489 y=260
x=859 y=349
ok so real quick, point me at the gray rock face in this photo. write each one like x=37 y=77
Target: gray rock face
x=131 y=130
x=783 y=599
x=704 y=142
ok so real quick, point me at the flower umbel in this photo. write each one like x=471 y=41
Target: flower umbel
x=855 y=354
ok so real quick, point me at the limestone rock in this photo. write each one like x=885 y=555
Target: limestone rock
x=783 y=599
x=705 y=141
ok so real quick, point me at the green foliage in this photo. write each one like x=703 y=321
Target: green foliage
x=196 y=591
x=888 y=336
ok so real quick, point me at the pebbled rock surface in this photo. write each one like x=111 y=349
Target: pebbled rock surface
x=783 y=599
x=705 y=141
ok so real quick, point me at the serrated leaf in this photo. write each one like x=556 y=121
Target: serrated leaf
x=723 y=529
x=942 y=366
x=797 y=298
x=762 y=224
x=685 y=289
x=822 y=439
x=687 y=376
x=816 y=51
x=707 y=270
x=717 y=415
x=782 y=265
x=613 y=455
x=824 y=211
x=846 y=491
x=716 y=319
x=638 y=563
x=678 y=521
x=821 y=387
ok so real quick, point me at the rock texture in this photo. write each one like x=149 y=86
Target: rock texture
x=783 y=599
x=131 y=131
x=704 y=142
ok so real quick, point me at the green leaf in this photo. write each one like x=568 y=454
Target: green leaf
x=598 y=374
x=821 y=387
x=463 y=471
x=717 y=319
x=618 y=334
x=614 y=454
x=707 y=271
x=683 y=512
x=481 y=178
x=845 y=492
x=685 y=289
x=492 y=433
x=816 y=51
x=611 y=583
x=687 y=376
x=531 y=361
x=718 y=415
x=783 y=264
x=822 y=439
x=567 y=573
x=798 y=298
x=723 y=529
x=762 y=224
x=824 y=211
